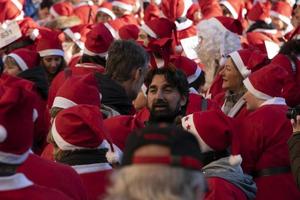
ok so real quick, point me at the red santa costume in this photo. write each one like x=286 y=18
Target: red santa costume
x=264 y=140
x=128 y=6
x=86 y=11
x=80 y=130
x=15 y=143
x=215 y=133
x=176 y=11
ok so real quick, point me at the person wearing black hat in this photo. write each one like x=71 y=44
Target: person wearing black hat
x=163 y=163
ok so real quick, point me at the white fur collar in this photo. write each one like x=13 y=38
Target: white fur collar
x=90 y=168
x=14 y=182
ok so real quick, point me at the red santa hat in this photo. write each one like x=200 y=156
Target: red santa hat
x=49 y=44
x=214 y=131
x=78 y=90
x=230 y=24
x=125 y=4
x=106 y=8
x=78 y=34
x=120 y=127
x=235 y=7
x=98 y=41
x=188 y=66
x=260 y=11
x=283 y=11
x=267 y=82
x=129 y=31
x=11 y=10
x=159 y=28
x=173 y=9
x=25 y=58
x=114 y=26
x=16 y=105
x=61 y=9
x=151 y=12
x=79 y=127
x=247 y=60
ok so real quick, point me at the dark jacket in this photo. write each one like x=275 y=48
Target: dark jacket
x=114 y=95
x=294 y=151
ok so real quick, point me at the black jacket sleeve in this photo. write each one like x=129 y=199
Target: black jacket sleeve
x=294 y=151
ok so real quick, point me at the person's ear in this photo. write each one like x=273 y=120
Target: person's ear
x=138 y=73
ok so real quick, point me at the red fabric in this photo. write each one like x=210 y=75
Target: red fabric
x=151 y=12
x=222 y=189
x=195 y=102
x=47 y=153
x=210 y=8
x=120 y=127
x=129 y=19
x=186 y=33
x=87 y=14
x=61 y=77
x=292 y=83
x=33 y=192
x=74 y=60
x=264 y=145
x=96 y=183
x=8 y=11
x=215 y=88
x=53 y=175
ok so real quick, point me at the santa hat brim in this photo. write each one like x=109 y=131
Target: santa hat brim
x=254 y=91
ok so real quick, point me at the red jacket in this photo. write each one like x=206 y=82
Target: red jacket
x=18 y=187
x=263 y=138
x=221 y=189
x=53 y=175
x=95 y=178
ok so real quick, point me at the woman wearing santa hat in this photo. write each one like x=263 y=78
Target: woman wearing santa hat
x=51 y=52
x=238 y=66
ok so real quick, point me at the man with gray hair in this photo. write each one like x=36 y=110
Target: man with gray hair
x=161 y=164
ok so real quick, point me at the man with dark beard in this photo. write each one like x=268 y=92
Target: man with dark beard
x=167 y=94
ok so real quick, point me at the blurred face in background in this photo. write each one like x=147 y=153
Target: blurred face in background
x=52 y=63
x=296 y=17
x=11 y=67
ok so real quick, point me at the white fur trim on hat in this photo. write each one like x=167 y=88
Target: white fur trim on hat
x=193 y=77
x=184 y=25
x=122 y=5
x=283 y=18
x=240 y=64
x=115 y=156
x=271 y=31
x=90 y=53
x=188 y=124
x=53 y=12
x=225 y=3
x=107 y=11
x=11 y=158
x=51 y=52
x=187 y=5
x=112 y=31
x=235 y=160
x=3 y=133
x=21 y=63
x=18 y=4
x=64 y=145
x=62 y=102
x=254 y=91
x=149 y=31
x=34 y=34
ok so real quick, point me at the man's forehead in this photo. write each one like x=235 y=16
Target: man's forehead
x=159 y=80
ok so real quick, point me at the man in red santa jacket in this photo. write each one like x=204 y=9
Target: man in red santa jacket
x=16 y=105
x=265 y=133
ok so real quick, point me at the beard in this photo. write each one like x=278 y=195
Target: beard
x=161 y=112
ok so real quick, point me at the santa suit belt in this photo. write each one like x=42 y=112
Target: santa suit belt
x=271 y=171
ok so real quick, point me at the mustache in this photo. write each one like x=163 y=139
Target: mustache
x=160 y=103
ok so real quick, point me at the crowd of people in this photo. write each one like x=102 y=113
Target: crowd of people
x=150 y=99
